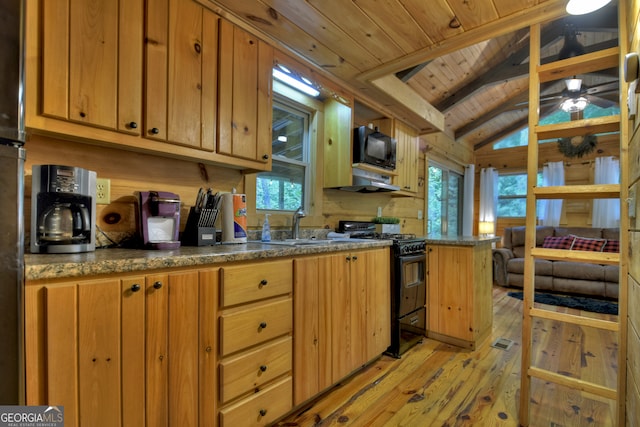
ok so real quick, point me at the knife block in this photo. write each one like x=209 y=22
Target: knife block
x=196 y=234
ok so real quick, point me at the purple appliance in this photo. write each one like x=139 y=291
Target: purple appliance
x=159 y=219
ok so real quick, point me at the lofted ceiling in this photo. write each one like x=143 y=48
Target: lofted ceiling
x=457 y=66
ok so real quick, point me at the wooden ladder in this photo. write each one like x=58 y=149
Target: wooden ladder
x=538 y=74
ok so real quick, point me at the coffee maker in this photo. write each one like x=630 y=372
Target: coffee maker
x=63 y=209
x=159 y=219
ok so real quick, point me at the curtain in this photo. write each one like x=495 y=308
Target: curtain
x=606 y=212
x=551 y=210
x=488 y=196
x=467 y=204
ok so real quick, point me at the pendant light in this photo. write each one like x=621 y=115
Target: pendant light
x=581 y=7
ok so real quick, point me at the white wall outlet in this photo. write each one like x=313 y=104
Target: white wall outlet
x=103 y=191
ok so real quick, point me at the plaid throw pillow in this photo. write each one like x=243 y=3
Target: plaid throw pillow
x=611 y=246
x=584 y=244
x=553 y=242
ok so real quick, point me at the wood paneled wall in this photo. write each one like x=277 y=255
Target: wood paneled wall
x=633 y=282
x=129 y=172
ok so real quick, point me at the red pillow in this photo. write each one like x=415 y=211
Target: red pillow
x=611 y=246
x=553 y=242
x=584 y=244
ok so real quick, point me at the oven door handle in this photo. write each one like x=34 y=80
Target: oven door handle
x=412 y=258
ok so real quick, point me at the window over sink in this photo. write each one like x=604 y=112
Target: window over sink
x=285 y=187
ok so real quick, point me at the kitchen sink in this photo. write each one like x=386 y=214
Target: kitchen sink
x=300 y=242
x=312 y=242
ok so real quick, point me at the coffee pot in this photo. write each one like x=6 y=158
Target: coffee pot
x=64 y=222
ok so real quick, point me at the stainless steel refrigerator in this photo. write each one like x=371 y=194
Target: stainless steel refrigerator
x=12 y=157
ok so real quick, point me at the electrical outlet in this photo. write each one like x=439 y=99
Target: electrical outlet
x=103 y=191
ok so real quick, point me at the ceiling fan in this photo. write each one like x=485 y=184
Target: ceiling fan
x=576 y=96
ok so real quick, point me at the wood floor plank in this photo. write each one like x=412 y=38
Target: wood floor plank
x=436 y=384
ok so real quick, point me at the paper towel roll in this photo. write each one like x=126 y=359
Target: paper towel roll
x=234 y=218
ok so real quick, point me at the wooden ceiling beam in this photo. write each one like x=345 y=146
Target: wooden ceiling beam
x=509 y=70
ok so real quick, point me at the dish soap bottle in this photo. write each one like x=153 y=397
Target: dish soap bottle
x=266 y=229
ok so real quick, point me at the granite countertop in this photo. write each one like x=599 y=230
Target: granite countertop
x=108 y=261
x=461 y=240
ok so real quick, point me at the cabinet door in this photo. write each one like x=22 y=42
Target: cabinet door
x=407 y=157
x=338 y=155
x=91 y=62
x=312 y=326
x=358 y=334
x=450 y=291
x=179 y=97
x=378 y=302
x=82 y=336
x=244 y=109
x=133 y=357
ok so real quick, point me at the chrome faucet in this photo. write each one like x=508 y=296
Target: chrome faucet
x=295 y=226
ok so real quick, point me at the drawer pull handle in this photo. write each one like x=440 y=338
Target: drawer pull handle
x=157 y=285
x=135 y=287
x=263 y=282
x=263 y=325
x=263 y=412
x=263 y=368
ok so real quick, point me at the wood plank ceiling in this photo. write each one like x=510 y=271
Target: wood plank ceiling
x=467 y=58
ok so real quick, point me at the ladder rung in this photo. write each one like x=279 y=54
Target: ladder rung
x=606 y=325
x=579 y=127
x=583 y=64
x=588 y=191
x=611 y=258
x=575 y=383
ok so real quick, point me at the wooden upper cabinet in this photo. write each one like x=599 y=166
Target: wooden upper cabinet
x=407 y=157
x=92 y=62
x=180 y=80
x=245 y=95
x=338 y=131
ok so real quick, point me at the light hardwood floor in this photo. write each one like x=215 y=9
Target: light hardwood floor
x=436 y=384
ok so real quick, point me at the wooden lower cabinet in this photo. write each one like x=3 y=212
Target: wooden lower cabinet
x=459 y=301
x=341 y=316
x=133 y=350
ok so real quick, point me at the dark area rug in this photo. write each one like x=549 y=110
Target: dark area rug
x=580 y=303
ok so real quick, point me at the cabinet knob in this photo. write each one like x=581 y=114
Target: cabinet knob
x=263 y=282
x=348 y=258
x=263 y=412
x=157 y=285
x=133 y=125
x=155 y=131
x=263 y=368
x=135 y=287
x=355 y=258
x=263 y=325
x=265 y=157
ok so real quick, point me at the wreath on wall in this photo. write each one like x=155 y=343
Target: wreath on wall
x=577 y=146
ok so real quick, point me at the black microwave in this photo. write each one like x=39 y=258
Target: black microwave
x=374 y=148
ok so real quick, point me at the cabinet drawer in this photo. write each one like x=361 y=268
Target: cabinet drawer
x=261 y=408
x=246 y=283
x=255 y=325
x=249 y=371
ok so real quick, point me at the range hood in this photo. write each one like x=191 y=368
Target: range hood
x=364 y=181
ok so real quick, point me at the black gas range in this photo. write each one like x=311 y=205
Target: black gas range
x=407 y=283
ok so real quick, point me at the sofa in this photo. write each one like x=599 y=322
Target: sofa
x=560 y=276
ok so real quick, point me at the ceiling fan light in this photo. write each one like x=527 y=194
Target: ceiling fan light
x=573 y=85
x=582 y=7
x=574 y=105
